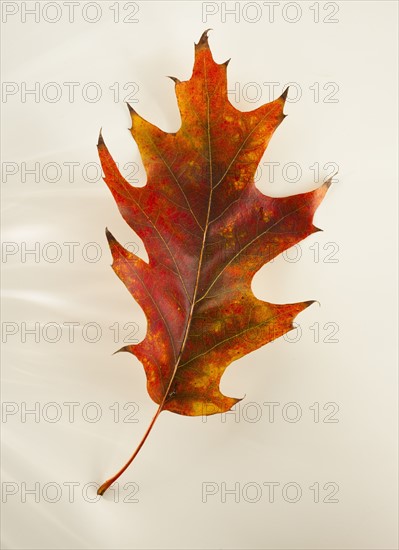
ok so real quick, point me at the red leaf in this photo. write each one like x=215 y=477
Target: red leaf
x=207 y=230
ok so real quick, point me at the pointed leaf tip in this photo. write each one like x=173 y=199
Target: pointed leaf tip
x=100 y=139
x=175 y=80
x=328 y=183
x=285 y=93
x=109 y=235
x=131 y=110
x=203 y=41
x=308 y=303
x=123 y=349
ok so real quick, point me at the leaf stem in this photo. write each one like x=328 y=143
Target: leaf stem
x=110 y=481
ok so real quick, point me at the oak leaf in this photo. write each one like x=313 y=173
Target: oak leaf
x=207 y=230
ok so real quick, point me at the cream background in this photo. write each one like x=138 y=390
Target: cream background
x=357 y=293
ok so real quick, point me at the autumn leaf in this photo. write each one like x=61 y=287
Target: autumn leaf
x=207 y=230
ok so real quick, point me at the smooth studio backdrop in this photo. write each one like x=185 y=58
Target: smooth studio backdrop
x=331 y=385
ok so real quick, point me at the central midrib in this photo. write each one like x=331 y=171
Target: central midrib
x=195 y=291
